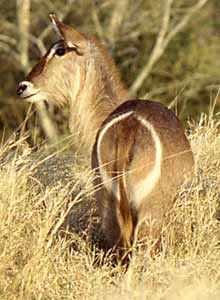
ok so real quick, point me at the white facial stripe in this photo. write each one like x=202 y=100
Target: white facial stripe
x=51 y=54
x=53 y=50
x=112 y=186
x=143 y=188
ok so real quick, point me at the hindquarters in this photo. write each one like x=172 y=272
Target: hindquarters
x=141 y=157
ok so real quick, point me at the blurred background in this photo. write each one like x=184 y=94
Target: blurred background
x=166 y=50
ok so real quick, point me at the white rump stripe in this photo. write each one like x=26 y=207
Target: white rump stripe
x=144 y=187
x=110 y=184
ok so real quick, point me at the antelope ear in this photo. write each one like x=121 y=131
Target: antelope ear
x=72 y=37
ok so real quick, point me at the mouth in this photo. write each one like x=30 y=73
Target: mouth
x=34 y=97
x=27 y=90
x=28 y=96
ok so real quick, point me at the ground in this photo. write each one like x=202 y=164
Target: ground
x=45 y=194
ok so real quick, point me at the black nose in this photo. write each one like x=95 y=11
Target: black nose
x=21 y=88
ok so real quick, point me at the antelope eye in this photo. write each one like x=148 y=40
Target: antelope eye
x=60 y=51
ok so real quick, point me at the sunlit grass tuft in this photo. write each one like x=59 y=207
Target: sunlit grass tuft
x=39 y=259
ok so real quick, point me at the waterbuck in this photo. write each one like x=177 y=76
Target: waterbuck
x=138 y=150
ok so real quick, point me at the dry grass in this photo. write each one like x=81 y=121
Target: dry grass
x=36 y=263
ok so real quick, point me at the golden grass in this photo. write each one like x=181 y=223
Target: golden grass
x=37 y=263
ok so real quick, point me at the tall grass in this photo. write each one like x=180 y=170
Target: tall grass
x=36 y=262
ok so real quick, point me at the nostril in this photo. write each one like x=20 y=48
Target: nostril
x=21 y=88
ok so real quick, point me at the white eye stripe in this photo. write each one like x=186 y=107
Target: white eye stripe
x=53 y=50
x=51 y=53
x=57 y=46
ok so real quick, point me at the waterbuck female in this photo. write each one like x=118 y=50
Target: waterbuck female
x=137 y=147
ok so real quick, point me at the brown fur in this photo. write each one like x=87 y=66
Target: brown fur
x=137 y=156
x=89 y=82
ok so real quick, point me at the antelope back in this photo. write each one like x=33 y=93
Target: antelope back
x=141 y=157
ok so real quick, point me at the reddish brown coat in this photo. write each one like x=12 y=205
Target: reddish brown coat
x=138 y=149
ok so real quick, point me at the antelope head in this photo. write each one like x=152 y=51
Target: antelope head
x=76 y=70
x=58 y=75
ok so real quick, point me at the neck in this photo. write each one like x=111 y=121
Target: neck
x=100 y=91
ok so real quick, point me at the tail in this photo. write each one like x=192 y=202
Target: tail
x=124 y=212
